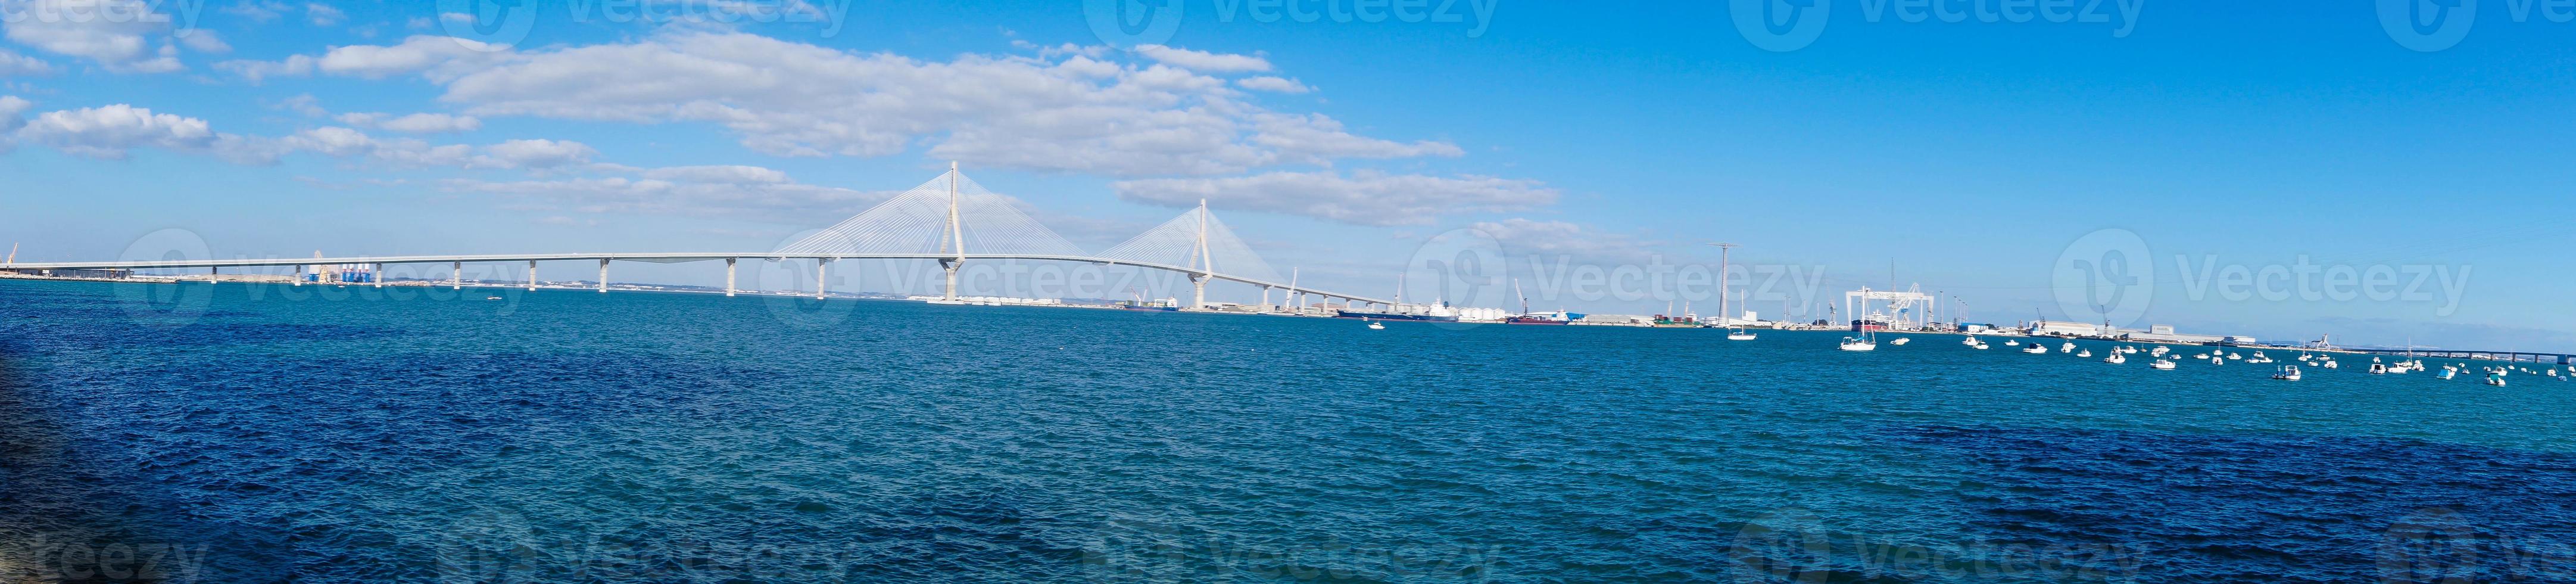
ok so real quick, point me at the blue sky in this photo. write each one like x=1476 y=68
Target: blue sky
x=1975 y=156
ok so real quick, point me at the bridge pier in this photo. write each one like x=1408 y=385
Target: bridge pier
x=1265 y=297
x=951 y=266
x=532 y=275
x=377 y=276
x=456 y=276
x=729 y=276
x=821 y=285
x=298 y=278
x=1198 y=295
x=603 y=275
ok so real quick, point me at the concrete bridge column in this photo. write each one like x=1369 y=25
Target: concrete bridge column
x=729 y=275
x=456 y=276
x=821 y=284
x=1198 y=297
x=532 y=275
x=603 y=275
x=377 y=276
x=951 y=266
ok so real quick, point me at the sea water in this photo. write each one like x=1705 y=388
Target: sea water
x=231 y=433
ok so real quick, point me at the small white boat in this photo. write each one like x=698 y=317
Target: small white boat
x=2447 y=373
x=2116 y=359
x=2330 y=364
x=2162 y=364
x=2066 y=348
x=2011 y=343
x=1972 y=341
x=2496 y=380
x=1739 y=335
x=1374 y=325
x=1983 y=346
x=2217 y=361
x=2288 y=373
x=1853 y=344
x=1901 y=341
x=2036 y=349
x=491 y=298
x=2235 y=357
x=2378 y=369
x=2087 y=353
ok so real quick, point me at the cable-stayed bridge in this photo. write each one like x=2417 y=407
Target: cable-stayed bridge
x=949 y=219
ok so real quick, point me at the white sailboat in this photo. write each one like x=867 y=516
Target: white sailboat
x=2288 y=373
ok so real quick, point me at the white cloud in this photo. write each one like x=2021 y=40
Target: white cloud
x=1202 y=60
x=303 y=103
x=1553 y=239
x=205 y=41
x=117 y=34
x=333 y=141
x=423 y=123
x=262 y=11
x=323 y=14
x=1318 y=139
x=111 y=131
x=1364 y=197
x=1273 y=84
x=257 y=71
x=535 y=154
x=1068 y=111
x=695 y=191
x=12 y=64
x=723 y=174
x=11 y=107
x=436 y=55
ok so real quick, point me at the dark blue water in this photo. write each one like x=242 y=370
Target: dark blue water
x=241 y=433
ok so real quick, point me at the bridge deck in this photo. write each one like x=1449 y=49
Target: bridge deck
x=646 y=257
